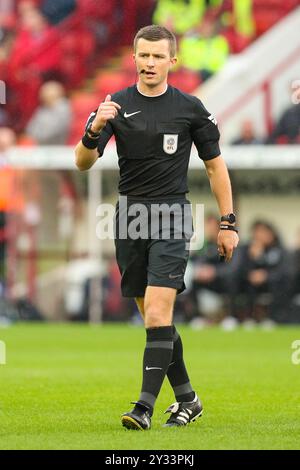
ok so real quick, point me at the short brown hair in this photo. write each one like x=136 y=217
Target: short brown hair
x=156 y=33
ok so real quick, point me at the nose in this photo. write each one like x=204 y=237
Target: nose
x=150 y=62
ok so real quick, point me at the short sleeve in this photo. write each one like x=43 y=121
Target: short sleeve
x=205 y=132
x=105 y=135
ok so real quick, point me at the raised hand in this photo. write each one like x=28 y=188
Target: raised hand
x=107 y=110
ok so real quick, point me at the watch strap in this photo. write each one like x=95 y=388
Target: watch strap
x=228 y=227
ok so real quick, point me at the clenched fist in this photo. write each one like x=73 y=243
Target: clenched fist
x=107 y=110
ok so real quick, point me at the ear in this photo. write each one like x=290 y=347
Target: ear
x=133 y=56
x=173 y=61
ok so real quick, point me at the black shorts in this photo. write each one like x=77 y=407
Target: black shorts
x=158 y=257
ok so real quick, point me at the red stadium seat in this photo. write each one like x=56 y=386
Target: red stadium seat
x=265 y=19
x=186 y=80
x=83 y=103
x=96 y=9
x=127 y=62
x=110 y=81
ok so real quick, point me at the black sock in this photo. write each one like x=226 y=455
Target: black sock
x=177 y=373
x=157 y=357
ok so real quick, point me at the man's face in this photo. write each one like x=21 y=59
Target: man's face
x=263 y=235
x=153 y=61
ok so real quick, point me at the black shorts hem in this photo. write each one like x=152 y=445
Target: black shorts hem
x=130 y=294
x=168 y=283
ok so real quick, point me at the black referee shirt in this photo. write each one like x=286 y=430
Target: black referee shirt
x=154 y=136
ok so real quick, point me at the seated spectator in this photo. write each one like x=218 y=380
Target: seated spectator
x=203 y=50
x=264 y=274
x=294 y=316
x=247 y=135
x=35 y=57
x=287 y=130
x=213 y=283
x=50 y=124
x=57 y=10
x=296 y=265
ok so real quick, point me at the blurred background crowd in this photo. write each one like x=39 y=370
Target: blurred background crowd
x=58 y=59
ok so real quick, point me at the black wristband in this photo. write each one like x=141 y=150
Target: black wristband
x=228 y=227
x=89 y=143
x=91 y=133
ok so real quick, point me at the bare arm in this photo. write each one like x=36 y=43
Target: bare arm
x=84 y=157
x=220 y=184
x=217 y=173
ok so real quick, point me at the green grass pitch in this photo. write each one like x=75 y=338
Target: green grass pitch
x=66 y=386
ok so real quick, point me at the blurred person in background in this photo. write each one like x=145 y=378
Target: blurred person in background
x=57 y=10
x=35 y=58
x=179 y=15
x=50 y=123
x=203 y=49
x=11 y=201
x=238 y=23
x=7 y=10
x=295 y=284
x=264 y=274
x=213 y=283
x=287 y=129
x=247 y=134
x=7 y=20
x=296 y=264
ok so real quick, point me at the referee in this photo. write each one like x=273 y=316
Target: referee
x=155 y=125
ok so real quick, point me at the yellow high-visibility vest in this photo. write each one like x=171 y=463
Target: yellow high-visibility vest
x=198 y=53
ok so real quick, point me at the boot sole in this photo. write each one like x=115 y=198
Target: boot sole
x=182 y=425
x=131 y=423
x=197 y=416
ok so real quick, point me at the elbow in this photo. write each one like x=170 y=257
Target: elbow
x=79 y=161
x=210 y=172
x=79 y=164
x=81 y=168
x=84 y=158
x=215 y=166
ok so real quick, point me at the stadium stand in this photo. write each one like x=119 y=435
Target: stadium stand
x=86 y=46
x=72 y=33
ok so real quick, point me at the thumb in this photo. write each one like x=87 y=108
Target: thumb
x=108 y=98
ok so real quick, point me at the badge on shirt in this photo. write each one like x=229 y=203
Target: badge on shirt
x=170 y=143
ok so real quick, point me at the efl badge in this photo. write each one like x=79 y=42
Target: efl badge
x=170 y=143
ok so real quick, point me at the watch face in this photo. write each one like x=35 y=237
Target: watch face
x=231 y=218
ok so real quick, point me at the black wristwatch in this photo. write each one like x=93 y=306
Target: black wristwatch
x=92 y=134
x=229 y=218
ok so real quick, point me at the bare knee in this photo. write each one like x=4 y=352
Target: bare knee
x=158 y=314
x=158 y=306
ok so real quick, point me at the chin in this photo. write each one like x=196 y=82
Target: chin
x=151 y=83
